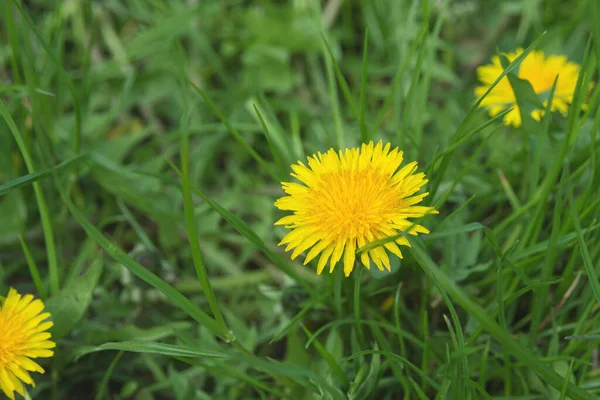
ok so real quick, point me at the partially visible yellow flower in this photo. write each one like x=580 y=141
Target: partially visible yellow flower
x=540 y=71
x=23 y=336
x=348 y=199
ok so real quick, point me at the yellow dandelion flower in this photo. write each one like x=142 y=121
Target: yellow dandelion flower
x=23 y=336
x=349 y=199
x=540 y=71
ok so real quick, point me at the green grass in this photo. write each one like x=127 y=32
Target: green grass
x=142 y=144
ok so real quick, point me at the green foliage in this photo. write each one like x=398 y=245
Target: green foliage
x=69 y=306
x=142 y=145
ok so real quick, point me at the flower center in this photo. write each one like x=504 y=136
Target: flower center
x=352 y=203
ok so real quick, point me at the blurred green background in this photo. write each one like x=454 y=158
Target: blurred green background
x=100 y=95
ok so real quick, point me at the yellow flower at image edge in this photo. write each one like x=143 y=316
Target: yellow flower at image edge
x=23 y=336
x=540 y=71
x=348 y=199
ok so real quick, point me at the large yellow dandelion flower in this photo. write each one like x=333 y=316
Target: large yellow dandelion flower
x=540 y=71
x=23 y=336
x=349 y=199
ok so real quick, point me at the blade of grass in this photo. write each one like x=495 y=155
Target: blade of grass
x=541 y=294
x=542 y=133
x=457 y=211
x=340 y=77
x=34 y=271
x=588 y=264
x=398 y=77
x=36 y=176
x=192 y=231
x=104 y=382
x=357 y=306
x=330 y=66
x=535 y=225
x=281 y=332
x=563 y=392
x=41 y=202
x=237 y=136
x=280 y=136
x=364 y=133
x=137 y=227
x=581 y=90
x=409 y=104
x=142 y=346
x=420 y=393
x=470 y=227
x=270 y=142
x=454 y=145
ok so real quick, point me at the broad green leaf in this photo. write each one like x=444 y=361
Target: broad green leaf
x=71 y=303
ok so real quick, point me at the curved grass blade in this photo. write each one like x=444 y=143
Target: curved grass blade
x=141 y=346
x=192 y=232
x=106 y=377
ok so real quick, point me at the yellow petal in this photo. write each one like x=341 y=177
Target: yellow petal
x=324 y=257
x=349 y=257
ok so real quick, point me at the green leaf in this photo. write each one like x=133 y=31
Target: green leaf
x=71 y=303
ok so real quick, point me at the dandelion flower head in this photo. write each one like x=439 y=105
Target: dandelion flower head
x=540 y=71
x=23 y=336
x=348 y=199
